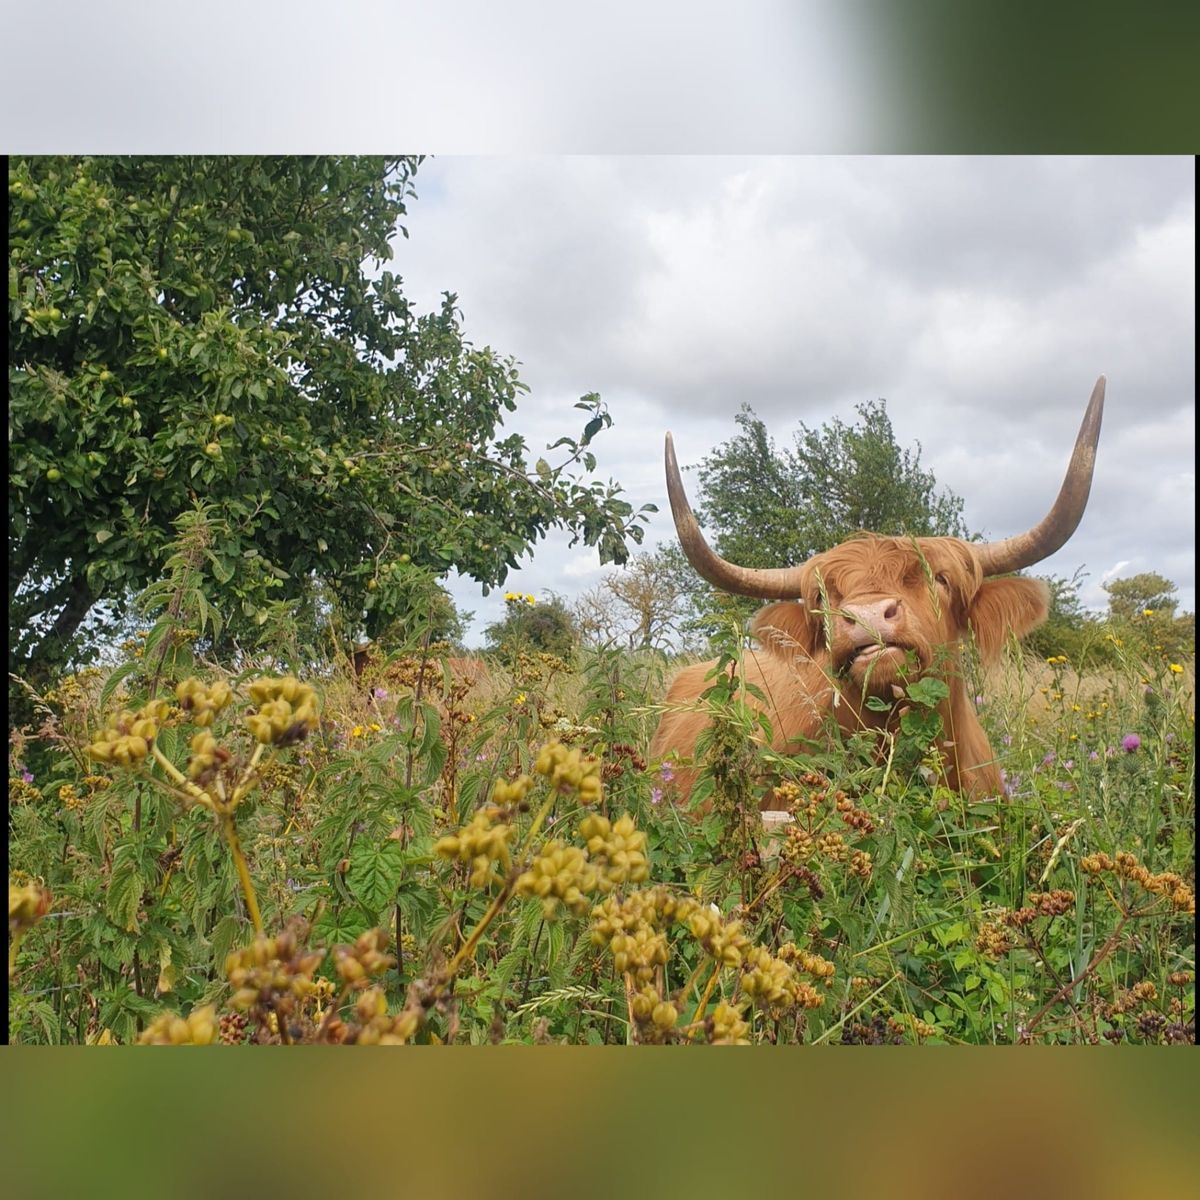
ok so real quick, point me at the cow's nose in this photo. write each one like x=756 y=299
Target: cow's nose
x=876 y=621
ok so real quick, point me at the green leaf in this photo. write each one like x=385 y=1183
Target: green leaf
x=375 y=870
x=124 y=896
x=227 y=933
x=115 y=680
x=102 y=535
x=928 y=691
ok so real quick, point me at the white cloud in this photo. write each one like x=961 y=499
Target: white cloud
x=980 y=297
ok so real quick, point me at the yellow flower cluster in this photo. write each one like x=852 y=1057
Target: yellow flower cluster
x=170 y=1029
x=1057 y=660
x=482 y=844
x=655 y=1016
x=639 y=952
x=506 y=792
x=273 y=972
x=1041 y=904
x=570 y=770
x=206 y=759
x=202 y=701
x=618 y=850
x=21 y=792
x=811 y=964
x=368 y=956
x=519 y=598
x=728 y=1027
x=127 y=736
x=1126 y=866
x=722 y=940
x=380 y=1029
x=633 y=928
x=860 y=864
x=559 y=873
x=287 y=711
x=615 y=854
x=72 y=801
x=993 y=940
x=69 y=691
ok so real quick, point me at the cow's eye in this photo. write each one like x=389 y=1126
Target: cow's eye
x=941 y=578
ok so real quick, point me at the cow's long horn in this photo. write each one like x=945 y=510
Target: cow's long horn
x=782 y=583
x=1051 y=533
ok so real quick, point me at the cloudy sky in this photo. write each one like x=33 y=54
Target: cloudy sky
x=981 y=297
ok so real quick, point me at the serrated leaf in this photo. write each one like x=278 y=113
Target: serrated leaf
x=375 y=871
x=114 y=681
x=124 y=896
x=227 y=933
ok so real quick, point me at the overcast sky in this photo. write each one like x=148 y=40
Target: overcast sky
x=981 y=297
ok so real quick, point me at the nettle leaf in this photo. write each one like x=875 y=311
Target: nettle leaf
x=928 y=691
x=375 y=871
x=227 y=933
x=124 y=897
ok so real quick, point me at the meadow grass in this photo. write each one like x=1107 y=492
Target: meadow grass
x=498 y=861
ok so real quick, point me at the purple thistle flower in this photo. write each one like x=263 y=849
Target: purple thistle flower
x=1069 y=764
x=27 y=776
x=655 y=795
x=1007 y=739
x=1131 y=742
x=667 y=772
x=978 y=701
x=381 y=693
x=1050 y=757
x=1093 y=755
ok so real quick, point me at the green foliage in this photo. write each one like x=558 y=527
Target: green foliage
x=1141 y=623
x=184 y=327
x=941 y=919
x=767 y=507
x=531 y=625
x=1142 y=612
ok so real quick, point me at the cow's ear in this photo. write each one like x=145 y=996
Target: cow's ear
x=1011 y=605
x=788 y=627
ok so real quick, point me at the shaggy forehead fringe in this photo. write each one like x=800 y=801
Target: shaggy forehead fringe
x=868 y=563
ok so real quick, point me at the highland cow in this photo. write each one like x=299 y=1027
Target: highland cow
x=869 y=618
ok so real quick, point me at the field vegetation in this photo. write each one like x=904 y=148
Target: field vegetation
x=219 y=852
x=260 y=792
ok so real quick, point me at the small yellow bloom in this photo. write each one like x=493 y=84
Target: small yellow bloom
x=530 y=600
x=1147 y=612
x=357 y=731
x=374 y=728
x=1176 y=669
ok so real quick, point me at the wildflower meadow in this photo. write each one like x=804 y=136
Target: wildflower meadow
x=257 y=853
